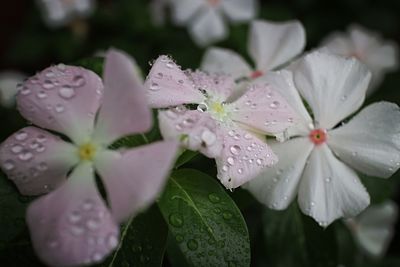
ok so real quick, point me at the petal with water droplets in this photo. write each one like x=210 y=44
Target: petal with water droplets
x=218 y=87
x=72 y=226
x=36 y=161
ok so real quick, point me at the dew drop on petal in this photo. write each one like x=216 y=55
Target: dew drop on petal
x=16 y=149
x=274 y=105
x=235 y=149
x=208 y=137
x=66 y=92
x=8 y=165
x=230 y=161
x=59 y=108
x=78 y=81
x=21 y=136
x=154 y=86
x=25 y=155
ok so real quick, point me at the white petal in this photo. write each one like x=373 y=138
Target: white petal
x=272 y=44
x=277 y=186
x=184 y=10
x=339 y=44
x=329 y=189
x=225 y=61
x=333 y=86
x=8 y=86
x=375 y=227
x=370 y=142
x=239 y=10
x=208 y=27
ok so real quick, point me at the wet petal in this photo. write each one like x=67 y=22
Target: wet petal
x=243 y=157
x=221 y=60
x=272 y=44
x=167 y=85
x=263 y=108
x=277 y=187
x=63 y=99
x=218 y=87
x=239 y=10
x=72 y=225
x=370 y=141
x=131 y=183
x=196 y=130
x=124 y=110
x=329 y=189
x=184 y=10
x=208 y=27
x=36 y=161
x=333 y=86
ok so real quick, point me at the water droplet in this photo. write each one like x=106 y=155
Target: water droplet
x=77 y=230
x=328 y=179
x=179 y=238
x=61 y=67
x=227 y=215
x=189 y=122
x=230 y=161
x=154 y=86
x=8 y=165
x=259 y=162
x=41 y=138
x=343 y=98
x=59 y=108
x=202 y=107
x=78 y=81
x=214 y=198
x=208 y=137
x=192 y=244
x=240 y=170
x=247 y=136
x=92 y=224
x=97 y=256
x=21 y=136
x=354 y=153
x=159 y=75
x=231 y=133
x=25 y=155
x=40 y=148
x=16 y=149
x=269 y=94
x=74 y=217
x=274 y=105
x=175 y=220
x=66 y=92
x=48 y=85
x=224 y=168
x=235 y=149
x=50 y=74
x=25 y=91
x=170 y=64
x=52 y=244
x=87 y=205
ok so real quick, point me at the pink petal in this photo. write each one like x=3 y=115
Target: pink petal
x=218 y=87
x=36 y=160
x=167 y=85
x=135 y=178
x=263 y=109
x=196 y=130
x=244 y=157
x=62 y=98
x=124 y=109
x=72 y=225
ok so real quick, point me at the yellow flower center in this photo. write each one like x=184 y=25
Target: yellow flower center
x=218 y=108
x=87 y=151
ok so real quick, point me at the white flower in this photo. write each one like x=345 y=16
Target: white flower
x=60 y=12
x=157 y=11
x=9 y=81
x=379 y=55
x=270 y=45
x=373 y=229
x=320 y=161
x=205 y=19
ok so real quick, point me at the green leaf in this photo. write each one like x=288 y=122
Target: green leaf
x=143 y=241
x=185 y=157
x=293 y=239
x=93 y=63
x=204 y=221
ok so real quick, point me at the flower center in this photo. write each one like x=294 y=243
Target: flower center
x=318 y=136
x=256 y=74
x=87 y=151
x=213 y=2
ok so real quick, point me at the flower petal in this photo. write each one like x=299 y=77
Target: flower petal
x=72 y=226
x=272 y=44
x=167 y=85
x=282 y=82
x=124 y=109
x=374 y=227
x=243 y=157
x=221 y=60
x=263 y=108
x=333 y=86
x=370 y=141
x=63 y=99
x=218 y=87
x=36 y=160
x=184 y=10
x=9 y=81
x=208 y=27
x=239 y=10
x=277 y=186
x=131 y=183
x=196 y=130
x=329 y=189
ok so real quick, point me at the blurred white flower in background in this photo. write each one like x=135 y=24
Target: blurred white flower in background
x=57 y=13
x=380 y=56
x=373 y=229
x=9 y=81
x=158 y=11
x=207 y=19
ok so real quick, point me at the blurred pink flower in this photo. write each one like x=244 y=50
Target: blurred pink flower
x=72 y=225
x=220 y=127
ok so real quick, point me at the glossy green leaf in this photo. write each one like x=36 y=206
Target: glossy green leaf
x=204 y=221
x=185 y=157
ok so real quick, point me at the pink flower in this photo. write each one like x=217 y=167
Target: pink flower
x=219 y=126
x=72 y=225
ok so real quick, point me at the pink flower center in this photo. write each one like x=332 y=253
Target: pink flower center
x=213 y=2
x=318 y=136
x=256 y=74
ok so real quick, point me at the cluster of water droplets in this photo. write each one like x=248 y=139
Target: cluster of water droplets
x=87 y=223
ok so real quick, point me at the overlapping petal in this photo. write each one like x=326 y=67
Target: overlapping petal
x=196 y=130
x=167 y=85
x=123 y=110
x=62 y=98
x=185 y=10
x=333 y=86
x=217 y=87
x=130 y=185
x=243 y=157
x=330 y=189
x=370 y=141
x=36 y=160
x=277 y=187
x=272 y=44
x=72 y=226
x=239 y=10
